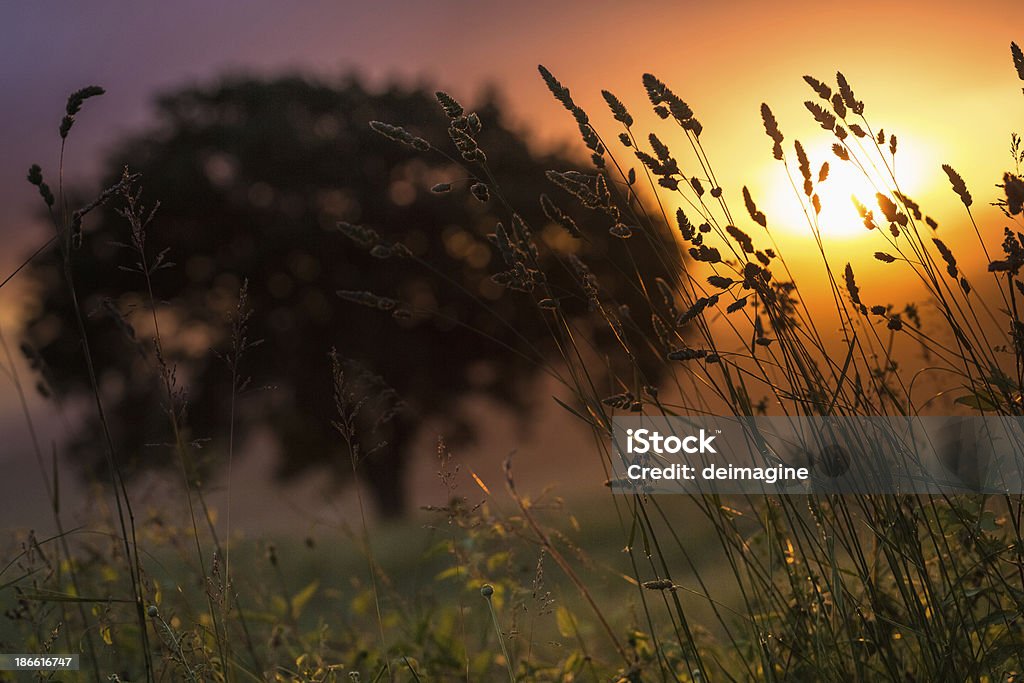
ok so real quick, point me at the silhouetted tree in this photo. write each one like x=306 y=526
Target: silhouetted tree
x=252 y=179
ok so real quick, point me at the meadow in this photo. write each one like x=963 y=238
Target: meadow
x=496 y=582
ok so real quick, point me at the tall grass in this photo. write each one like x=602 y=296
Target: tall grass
x=821 y=587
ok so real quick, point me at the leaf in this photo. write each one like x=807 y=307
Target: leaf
x=573 y=410
x=51 y=596
x=988 y=521
x=480 y=482
x=978 y=401
x=842 y=376
x=564 y=621
x=300 y=599
x=448 y=573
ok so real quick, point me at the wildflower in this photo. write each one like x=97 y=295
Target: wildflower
x=399 y=134
x=618 y=109
x=826 y=120
x=911 y=205
x=856 y=106
x=659 y=93
x=805 y=168
x=1013 y=186
x=706 y=254
x=621 y=231
x=687 y=354
x=623 y=400
x=736 y=305
x=838 y=106
x=556 y=215
x=693 y=311
x=560 y=92
x=890 y=210
x=771 y=127
x=480 y=191
x=659 y=147
x=947 y=256
x=824 y=92
x=74 y=105
x=367 y=299
x=548 y=304
x=742 y=238
x=720 y=282
x=757 y=216
x=35 y=176
x=365 y=237
x=451 y=107
x=1013 y=247
x=853 y=289
x=959 y=186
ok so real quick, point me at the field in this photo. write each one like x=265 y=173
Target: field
x=635 y=284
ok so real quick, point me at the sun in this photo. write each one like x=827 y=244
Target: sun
x=846 y=184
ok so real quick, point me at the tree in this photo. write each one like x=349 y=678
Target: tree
x=252 y=179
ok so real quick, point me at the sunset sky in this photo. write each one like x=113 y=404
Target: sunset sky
x=938 y=74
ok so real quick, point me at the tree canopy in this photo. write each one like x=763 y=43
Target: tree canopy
x=252 y=179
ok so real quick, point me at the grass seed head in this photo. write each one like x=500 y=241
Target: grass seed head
x=959 y=186
x=451 y=107
x=771 y=127
x=824 y=92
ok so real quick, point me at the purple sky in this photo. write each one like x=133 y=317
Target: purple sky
x=725 y=56
x=924 y=66
x=49 y=49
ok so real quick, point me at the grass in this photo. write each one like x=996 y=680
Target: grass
x=805 y=588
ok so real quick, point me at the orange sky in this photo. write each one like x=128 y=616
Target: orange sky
x=937 y=74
